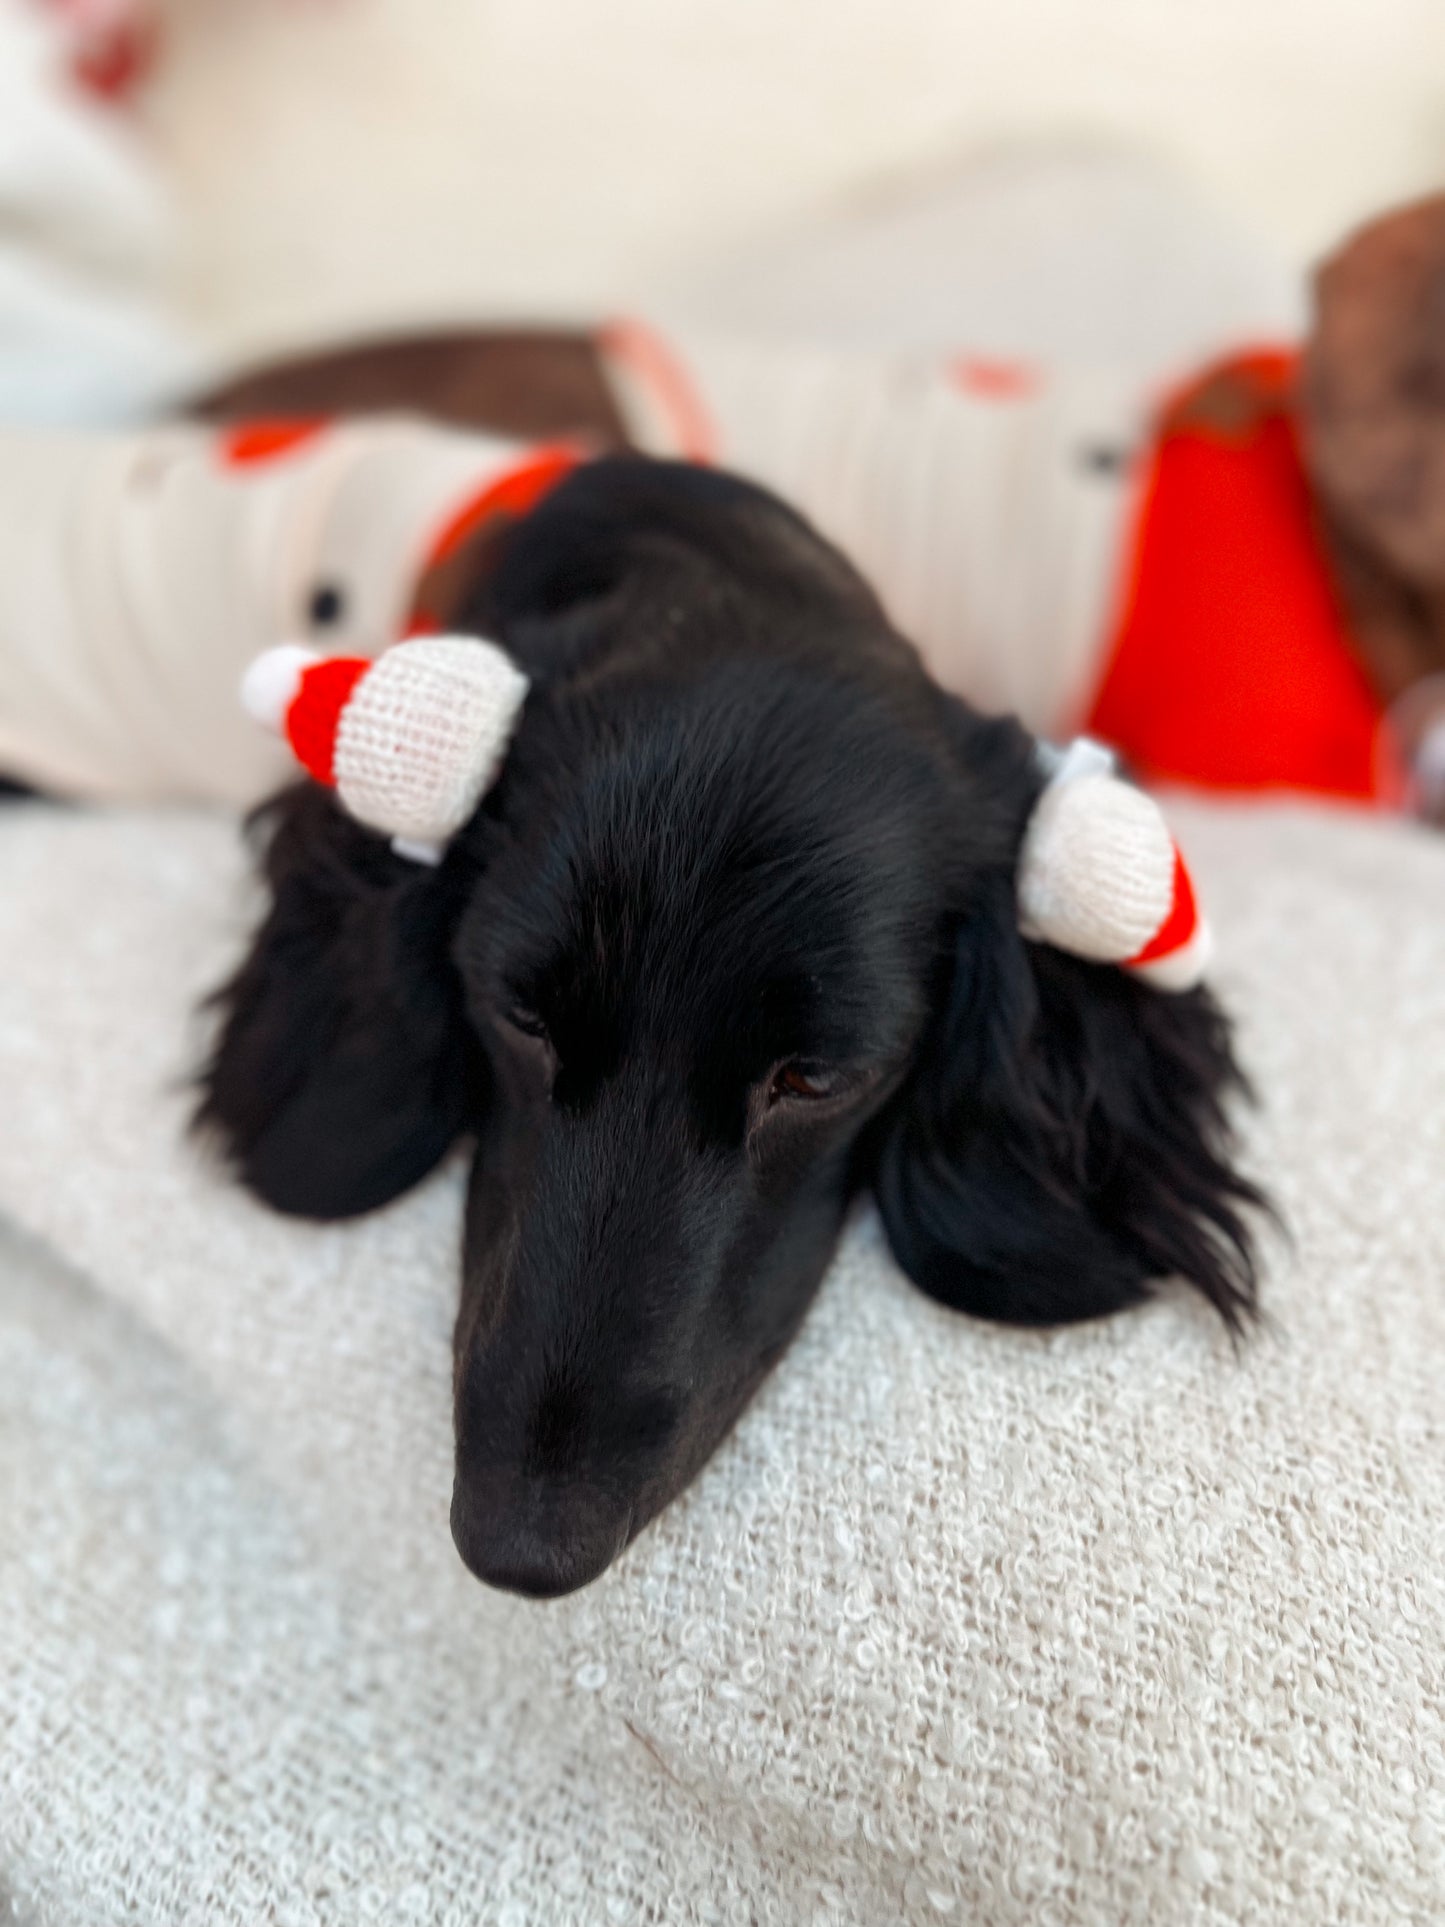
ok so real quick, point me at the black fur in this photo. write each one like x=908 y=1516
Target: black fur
x=733 y=938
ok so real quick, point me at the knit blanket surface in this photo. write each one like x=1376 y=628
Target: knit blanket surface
x=965 y=1624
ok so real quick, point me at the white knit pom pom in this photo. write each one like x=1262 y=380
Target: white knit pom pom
x=269 y=686
x=423 y=735
x=1183 y=968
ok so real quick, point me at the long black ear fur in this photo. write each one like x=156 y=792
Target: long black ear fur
x=341 y=1072
x=1065 y=1141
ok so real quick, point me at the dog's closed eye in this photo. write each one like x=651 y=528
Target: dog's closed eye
x=807 y=1083
x=526 y=1022
x=803 y=1090
x=522 y=1049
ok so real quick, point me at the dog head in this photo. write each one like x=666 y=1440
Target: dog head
x=734 y=936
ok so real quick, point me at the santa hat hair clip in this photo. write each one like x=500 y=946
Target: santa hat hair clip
x=410 y=741
x=1101 y=876
x=413 y=740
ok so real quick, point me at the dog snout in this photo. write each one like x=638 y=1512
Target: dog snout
x=536 y=1537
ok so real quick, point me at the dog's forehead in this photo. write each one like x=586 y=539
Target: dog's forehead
x=744 y=850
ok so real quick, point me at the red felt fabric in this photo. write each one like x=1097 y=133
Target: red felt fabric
x=316 y=710
x=515 y=493
x=1232 y=666
x=1180 y=924
x=249 y=444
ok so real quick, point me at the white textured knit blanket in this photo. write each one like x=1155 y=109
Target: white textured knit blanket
x=964 y=1624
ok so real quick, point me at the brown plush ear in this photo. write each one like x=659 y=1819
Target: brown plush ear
x=534 y=384
x=1373 y=391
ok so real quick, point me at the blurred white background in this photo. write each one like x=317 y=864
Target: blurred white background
x=382 y=159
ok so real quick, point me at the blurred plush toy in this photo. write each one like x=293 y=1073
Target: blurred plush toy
x=1240 y=586
x=141 y=573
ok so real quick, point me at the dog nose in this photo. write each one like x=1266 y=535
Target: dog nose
x=543 y=1547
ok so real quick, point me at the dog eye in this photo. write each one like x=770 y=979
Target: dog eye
x=808 y=1082
x=519 y=1018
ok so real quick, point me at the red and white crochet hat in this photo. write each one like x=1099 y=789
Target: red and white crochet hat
x=410 y=741
x=413 y=740
x=1101 y=876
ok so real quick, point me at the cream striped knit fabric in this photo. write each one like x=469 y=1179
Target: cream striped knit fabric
x=141 y=573
x=987 y=503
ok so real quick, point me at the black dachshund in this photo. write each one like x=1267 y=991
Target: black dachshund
x=733 y=939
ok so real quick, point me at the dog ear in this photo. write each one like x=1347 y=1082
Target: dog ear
x=342 y=1070
x=1064 y=1141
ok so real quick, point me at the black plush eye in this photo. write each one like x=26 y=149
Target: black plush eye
x=806 y=1082
x=328 y=605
